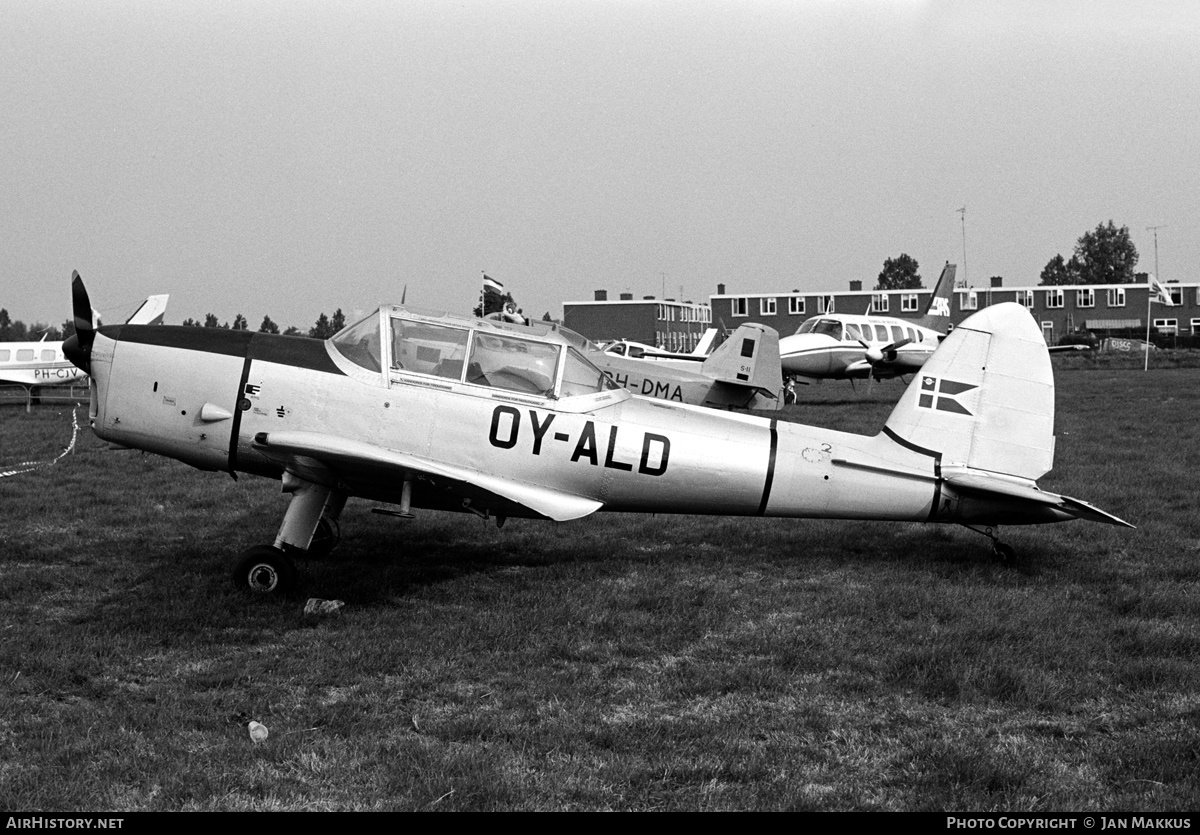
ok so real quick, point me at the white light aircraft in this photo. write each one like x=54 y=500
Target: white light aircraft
x=38 y=364
x=462 y=414
x=846 y=346
x=742 y=373
x=641 y=351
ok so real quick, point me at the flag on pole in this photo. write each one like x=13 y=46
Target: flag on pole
x=492 y=285
x=1159 y=293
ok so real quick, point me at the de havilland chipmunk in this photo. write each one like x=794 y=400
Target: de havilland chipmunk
x=455 y=413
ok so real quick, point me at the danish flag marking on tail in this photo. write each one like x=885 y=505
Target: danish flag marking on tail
x=941 y=394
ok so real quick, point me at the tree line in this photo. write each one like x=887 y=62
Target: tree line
x=14 y=330
x=323 y=328
x=1104 y=255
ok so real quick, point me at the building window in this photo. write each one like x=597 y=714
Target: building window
x=879 y=303
x=1054 y=298
x=796 y=305
x=1048 y=332
x=766 y=307
x=825 y=304
x=909 y=303
x=1116 y=296
x=1170 y=326
x=1196 y=326
x=741 y=306
x=968 y=301
x=1085 y=298
x=1176 y=295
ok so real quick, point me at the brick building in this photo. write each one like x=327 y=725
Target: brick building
x=666 y=323
x=1103 y=309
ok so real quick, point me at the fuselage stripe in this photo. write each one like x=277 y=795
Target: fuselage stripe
x=766 y=494
x=937 y=469
x=235 y=429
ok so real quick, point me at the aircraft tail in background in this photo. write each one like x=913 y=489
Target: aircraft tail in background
x=748 y=358
x=937 y=314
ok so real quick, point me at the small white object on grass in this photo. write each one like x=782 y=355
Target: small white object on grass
x=258 y=731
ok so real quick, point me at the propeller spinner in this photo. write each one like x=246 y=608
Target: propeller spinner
x=78 y=347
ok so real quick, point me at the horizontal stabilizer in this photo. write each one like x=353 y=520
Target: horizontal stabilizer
x=299 y=451
x=981 y=485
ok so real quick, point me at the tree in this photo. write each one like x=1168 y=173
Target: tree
x=322 y=329
x=292 y=330
x=900 y=274
x=189 y=322
x=5 y=326
x=337 y=322
x=1058 y=271
x=240 y=323
x=546 y=317
x=1106 y=255
x=211 y=320
x=268 y=326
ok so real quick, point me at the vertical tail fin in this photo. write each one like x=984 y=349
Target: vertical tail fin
x=750 y=358
x=937 y=315
x=985 y=399
x=150 y=312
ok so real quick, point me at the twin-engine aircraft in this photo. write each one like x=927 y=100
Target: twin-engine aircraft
x=845 y=346
x=455 y=413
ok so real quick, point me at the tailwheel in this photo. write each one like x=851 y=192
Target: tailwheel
x=1004 y=553
x=265 y=570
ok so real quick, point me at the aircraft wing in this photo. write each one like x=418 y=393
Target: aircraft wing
x=364 y=468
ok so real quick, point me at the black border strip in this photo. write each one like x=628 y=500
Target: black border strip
x=766 y=494
x=235 y=430
x=937 y=468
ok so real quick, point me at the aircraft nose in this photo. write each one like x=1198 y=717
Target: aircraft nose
x=804 y=354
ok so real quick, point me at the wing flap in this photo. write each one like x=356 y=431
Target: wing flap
x=311 y=453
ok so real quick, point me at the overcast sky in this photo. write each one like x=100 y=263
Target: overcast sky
x=289 y=158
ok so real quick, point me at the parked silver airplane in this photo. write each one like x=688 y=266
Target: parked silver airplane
x=463 y=414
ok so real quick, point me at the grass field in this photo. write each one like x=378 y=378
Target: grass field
x=618 y=662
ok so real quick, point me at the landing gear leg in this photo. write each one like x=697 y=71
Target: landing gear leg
x=269 y=569
x=328 y=533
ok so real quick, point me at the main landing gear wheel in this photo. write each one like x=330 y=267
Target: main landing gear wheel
x=265 y=570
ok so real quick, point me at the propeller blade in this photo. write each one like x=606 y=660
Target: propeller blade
x=78 y=348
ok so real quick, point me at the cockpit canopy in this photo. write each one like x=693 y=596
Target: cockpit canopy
x=828 y=327
x=467 y=352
